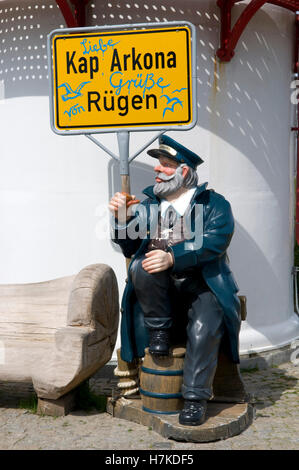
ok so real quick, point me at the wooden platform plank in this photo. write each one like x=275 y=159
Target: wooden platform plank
x=223 y=420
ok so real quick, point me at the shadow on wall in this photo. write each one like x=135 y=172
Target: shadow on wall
x=141 y=176
x=24 y=26
x=244 y=248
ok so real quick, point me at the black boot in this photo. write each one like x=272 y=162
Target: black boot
x=193 y=413
x=159 y=342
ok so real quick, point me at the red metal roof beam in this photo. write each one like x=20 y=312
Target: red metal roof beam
x=224 y=52
x=76 y=18
x=230 y=37
x=292 y=5
x=296 y=129
x=296 y=51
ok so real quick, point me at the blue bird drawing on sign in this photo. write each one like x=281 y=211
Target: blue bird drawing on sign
x=70 y=94
x=174 y=101
x=179 y=91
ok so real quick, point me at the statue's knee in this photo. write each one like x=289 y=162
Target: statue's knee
x=141 y=277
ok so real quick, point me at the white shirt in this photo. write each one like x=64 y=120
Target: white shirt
x=180 y=204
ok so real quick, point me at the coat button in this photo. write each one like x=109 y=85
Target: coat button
x=121 y=310
x=127 y=280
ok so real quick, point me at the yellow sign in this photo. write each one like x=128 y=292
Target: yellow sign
x=122 y=79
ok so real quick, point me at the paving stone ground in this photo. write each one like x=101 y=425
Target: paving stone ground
x=276 y=424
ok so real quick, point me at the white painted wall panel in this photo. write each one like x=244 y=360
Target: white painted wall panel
x=53 y=189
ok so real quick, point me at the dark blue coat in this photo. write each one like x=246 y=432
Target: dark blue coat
x=208 y=257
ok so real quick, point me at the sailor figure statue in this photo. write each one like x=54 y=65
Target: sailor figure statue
x=179 y=288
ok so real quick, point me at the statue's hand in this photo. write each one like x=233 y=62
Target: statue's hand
x=118 y=206
x=157 y=261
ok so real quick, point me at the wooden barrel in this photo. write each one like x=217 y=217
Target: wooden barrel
x=161 y=380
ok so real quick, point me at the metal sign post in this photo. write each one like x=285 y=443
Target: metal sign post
x=123 y=145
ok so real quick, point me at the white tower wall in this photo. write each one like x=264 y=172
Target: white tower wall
x=53 y=189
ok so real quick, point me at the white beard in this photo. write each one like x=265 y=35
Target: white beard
x=173 y=183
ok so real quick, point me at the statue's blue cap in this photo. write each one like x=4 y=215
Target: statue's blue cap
x=171 y=149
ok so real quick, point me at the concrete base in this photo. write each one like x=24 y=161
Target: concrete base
x=274 y=357
x=223 y=420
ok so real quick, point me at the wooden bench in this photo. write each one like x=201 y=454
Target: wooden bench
x=58 y=333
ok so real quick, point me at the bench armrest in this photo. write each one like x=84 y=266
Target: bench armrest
x=87 y=342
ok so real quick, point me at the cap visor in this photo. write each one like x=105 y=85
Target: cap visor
x=157 y=153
